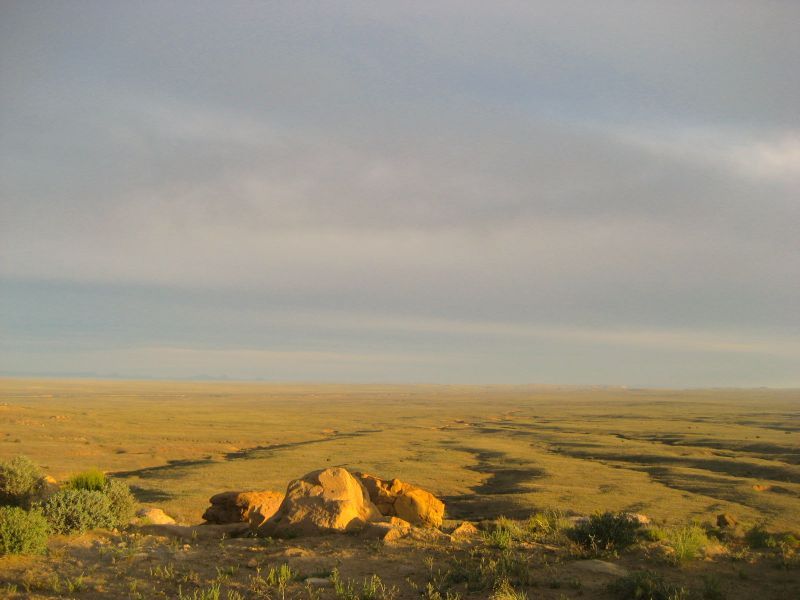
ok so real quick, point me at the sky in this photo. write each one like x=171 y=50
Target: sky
x=568 y=192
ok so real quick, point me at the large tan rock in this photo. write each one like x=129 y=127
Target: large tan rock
x=326 y=501
x=395 y=498
x=238 y=507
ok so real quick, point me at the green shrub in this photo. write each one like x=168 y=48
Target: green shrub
x=92 y=480
x=76 y=511
x=20 y=481
x=646 y=585
x=606 y=532
x=22 y=532
x=123 y=504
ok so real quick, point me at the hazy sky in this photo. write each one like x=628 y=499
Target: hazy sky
x=556 y=192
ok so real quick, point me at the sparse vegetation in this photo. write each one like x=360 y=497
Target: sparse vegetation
x=22 y=532
x=371 y=588
x=505 y=591
x=210 y=593
x=647 y=585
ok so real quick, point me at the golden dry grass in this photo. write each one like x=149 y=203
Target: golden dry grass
x=488 y=450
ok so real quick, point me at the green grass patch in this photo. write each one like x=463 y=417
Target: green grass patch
x=92 y=480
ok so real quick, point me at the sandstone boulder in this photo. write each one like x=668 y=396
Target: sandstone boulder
x=155 y=516
x=326 y=501
x=395 y=498
x=390 y=530
x=253 y=507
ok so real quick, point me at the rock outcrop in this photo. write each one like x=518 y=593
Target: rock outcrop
x=326 y=501
x=726 y=520
x=253 y=507
x=395 y=498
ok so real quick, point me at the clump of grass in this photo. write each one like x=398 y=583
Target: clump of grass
x=20 y=481
x=712 y=588
x=646 y=585
x=546 y=524
x=688 y=542
x=76 y=511
x=92 y=480
x=606 y=532
x=22 y=532
x=503 y=533
x=505 y=591
x=371 y=588
x=483 y=570
x=210 y=593
x=654 y=533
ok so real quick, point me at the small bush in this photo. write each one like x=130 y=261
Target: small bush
x=76 y=511
x=20 y=481
x=22 y=532
x=646 y=585
x=606 y=532
x=92 y=480
x=123 y=504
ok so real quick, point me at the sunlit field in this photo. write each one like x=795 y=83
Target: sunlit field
x=489 y=451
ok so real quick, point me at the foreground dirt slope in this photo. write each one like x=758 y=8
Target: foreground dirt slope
x=137 y=566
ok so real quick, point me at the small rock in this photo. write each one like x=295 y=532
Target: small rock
x=395 y=498
x=714 y=550
x=638 y=518
x=254 y=507
x=155 y=516
x=465 y=529
x=726 y=520
x=601 y=567
x=252 y=563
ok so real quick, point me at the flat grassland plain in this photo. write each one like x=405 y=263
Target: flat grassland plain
x=487 y=451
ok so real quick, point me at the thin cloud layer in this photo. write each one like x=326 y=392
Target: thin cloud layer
x=582 y=194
